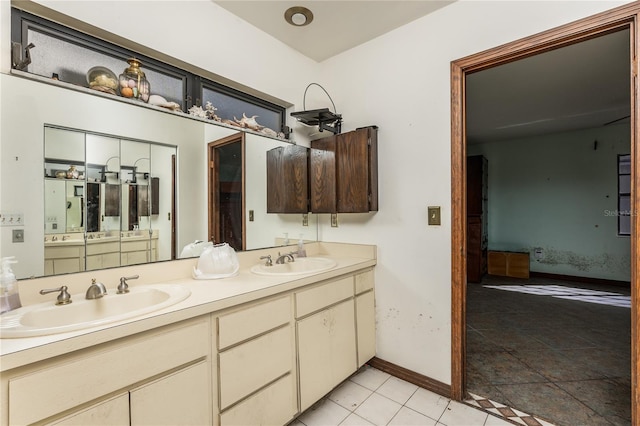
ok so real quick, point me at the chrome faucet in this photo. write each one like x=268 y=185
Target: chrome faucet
x=282 y=258
x=96 y=290
x=123 y=287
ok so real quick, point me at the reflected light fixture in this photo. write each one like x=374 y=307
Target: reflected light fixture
x=298 y=16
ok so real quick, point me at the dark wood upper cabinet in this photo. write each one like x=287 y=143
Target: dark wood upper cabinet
x=477 y=217
x=287 y=180
x=343 y=172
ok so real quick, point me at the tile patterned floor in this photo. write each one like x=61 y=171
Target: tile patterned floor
x=372 y=397
x=566 y=361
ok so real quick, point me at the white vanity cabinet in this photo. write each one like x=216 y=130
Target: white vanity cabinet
x=256 y=358
x=64 y=259
x=113 y=411
x=326 y=331
x=365 y=316
x=143 y=376
x=180 y=398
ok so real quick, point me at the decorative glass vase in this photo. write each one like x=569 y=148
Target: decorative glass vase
x=72 y=173
x=133 y=83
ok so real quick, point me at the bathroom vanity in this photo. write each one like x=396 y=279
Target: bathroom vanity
x=249 y=349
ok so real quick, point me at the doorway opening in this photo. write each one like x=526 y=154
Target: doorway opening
x=226 y=191
x=623 y=18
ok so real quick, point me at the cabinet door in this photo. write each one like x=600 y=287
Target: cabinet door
x=326 y=351
x=366 y=327
x=182 y=398
x=354 y=172
x=287 y=180
x=322 y=172
x=344 y=172
x=474 y=249
x=114 y=411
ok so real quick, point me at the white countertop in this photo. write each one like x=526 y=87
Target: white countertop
x=207 y=296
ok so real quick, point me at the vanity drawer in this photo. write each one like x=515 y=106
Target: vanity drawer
x=244 y=324
x=62 y=252
x=134 y=246
x=274 y=405
x=100 y=248
x=316 y=298
x=247 y=367
x=364 y=281
x=81 y=378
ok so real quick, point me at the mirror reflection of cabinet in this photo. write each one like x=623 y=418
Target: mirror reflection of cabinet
x=109 y=211
x=287 y=180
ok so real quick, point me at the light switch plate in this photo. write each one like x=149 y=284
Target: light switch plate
x=334 y=220
x=305 y=219
x=434 y=215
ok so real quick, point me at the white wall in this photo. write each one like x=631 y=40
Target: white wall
x=401 y=82
x=553 y=192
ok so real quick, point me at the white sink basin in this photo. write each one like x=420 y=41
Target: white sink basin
x=302 y=265
x=47 y=318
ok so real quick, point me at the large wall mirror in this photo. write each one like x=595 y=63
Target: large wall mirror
x=108 y=201
x=120 y=208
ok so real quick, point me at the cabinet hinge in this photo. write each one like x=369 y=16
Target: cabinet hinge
x=211 y=164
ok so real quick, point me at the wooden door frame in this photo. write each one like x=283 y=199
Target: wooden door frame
x=622 y=17
x=212 y=182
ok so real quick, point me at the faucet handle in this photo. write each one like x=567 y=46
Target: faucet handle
x=123 y=287
x=64 y=297
x=269 y=262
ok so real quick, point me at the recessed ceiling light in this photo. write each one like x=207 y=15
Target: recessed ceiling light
x=298 y=16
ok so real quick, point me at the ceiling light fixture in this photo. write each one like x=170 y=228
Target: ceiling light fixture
x=298 y=16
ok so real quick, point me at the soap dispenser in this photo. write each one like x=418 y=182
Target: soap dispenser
x=301 y=250
x=9 y=296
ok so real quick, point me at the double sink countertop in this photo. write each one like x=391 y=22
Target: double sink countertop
x=207 y=296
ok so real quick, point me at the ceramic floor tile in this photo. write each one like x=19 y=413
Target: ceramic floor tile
x=457 y=414
x=556 y=366
x=324 y=413
x=607 y=397
x=370 y=378
x=408 y=417
x=548 y=401
x=350 y=395
x=428 y=403
x=397 y=390
x=378 y=409
x=355 y=420
x=496 y=421
x=581 y=351
x=502 y=368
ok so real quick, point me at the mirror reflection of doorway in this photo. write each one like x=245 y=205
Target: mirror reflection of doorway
x=226 y=191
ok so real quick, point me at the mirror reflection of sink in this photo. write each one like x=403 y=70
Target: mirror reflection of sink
x=302 y=265
x=47 y=318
